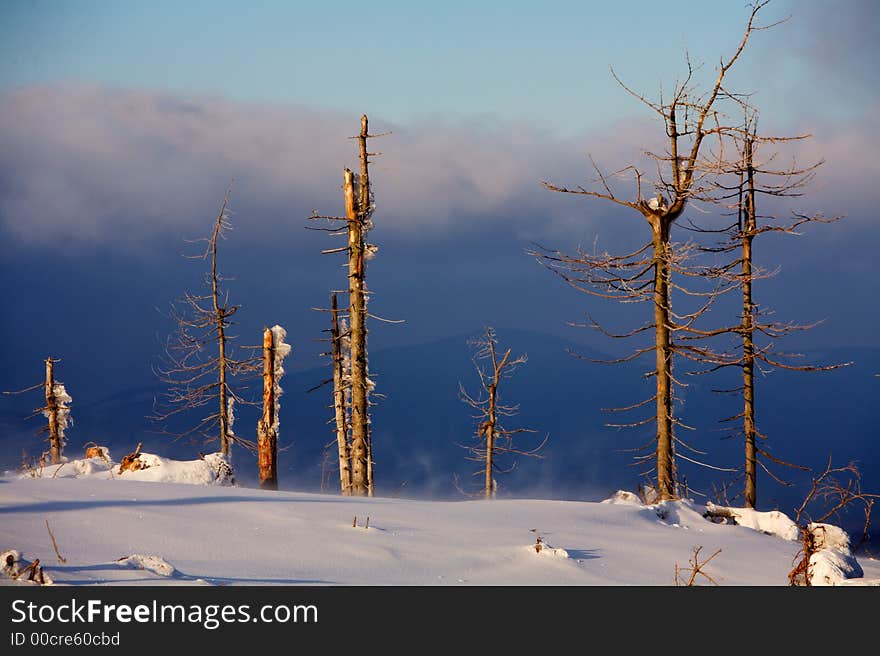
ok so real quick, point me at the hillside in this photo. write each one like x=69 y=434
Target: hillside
x=179 y=534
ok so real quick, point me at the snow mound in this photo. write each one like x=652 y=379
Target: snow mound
x=833 y=562
x=623 y=497
x=544 y=550
x=828 y=536
x=867 y=583
x=9 y=560
x=772 y=522
x=552 y=552
x=14 y=566
x=678 y=514
x=212 y=469
x=72 y=468
x=155 y=564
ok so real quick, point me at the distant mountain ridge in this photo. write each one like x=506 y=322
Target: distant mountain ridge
x=420 y=421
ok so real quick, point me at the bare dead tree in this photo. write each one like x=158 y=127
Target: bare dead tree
x=56 y=411
x=199 y=365
x=685 y=172
x=493 y=439
x=359 y=206
x=756 y=333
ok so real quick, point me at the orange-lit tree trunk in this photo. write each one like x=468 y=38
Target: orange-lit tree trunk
x=750 y=225
x=356 y=292
x=55 y=445
x=267 y=437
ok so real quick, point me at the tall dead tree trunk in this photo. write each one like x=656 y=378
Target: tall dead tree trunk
x=663 y=354
x=340 y=413
x=220 y=318
x=358 y=221
x=55 y=445
x=742 y=273
x=749 y=228
x=267 y=437
x=199 y=364
x=364 y=214
x=491 y=422
x=356 y=293
x=685 y=173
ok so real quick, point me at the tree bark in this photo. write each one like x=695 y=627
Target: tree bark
x=359 y=470
x=490 y=438
x=364 y=211
x=267 y=436
x=339 y=400
x=748 y=328
x=663 y=348
x=55 y=446
x=220 y=318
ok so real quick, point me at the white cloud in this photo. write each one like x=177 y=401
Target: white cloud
x=90 y=164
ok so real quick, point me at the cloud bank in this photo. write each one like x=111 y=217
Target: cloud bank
x=84 y=164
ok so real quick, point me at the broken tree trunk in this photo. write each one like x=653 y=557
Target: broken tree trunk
x=339 y=400
x=132 y=461
x=55 y=445
x=267 y=438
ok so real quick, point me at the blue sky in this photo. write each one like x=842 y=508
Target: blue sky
x=543 y=64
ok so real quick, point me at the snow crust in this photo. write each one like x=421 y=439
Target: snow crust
x=154 y=564
x=74 y=468
x=289 y=538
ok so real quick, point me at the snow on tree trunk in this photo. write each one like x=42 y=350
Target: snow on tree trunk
x=57 y=411
x=282 y=350
x=274 y=352
x=341 y=398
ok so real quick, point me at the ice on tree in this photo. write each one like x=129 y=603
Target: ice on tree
x=281 y=351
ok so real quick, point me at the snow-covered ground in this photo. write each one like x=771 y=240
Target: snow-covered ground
x=122 y=531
